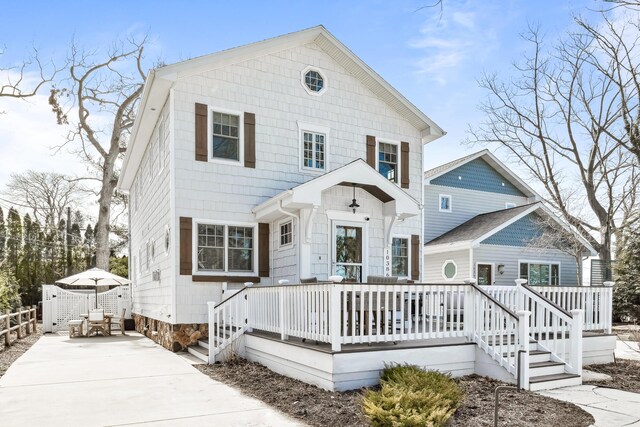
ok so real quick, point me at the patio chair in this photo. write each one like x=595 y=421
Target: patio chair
x=95 y=323
x=75 y=328
x=309 y=280
x=119 y=321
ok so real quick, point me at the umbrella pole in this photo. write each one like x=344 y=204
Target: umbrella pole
x=96 y=288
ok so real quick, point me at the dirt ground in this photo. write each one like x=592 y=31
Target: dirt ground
x=318 y=407
x=625 y=375
x=9 y=354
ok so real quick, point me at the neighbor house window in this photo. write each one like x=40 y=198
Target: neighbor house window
x=509 y=205
x=313 y=150
x=445 y=203
x=225 y=248
x=314 y=81
x=540 y=273
x=226 y=136
x=286 y=233
x=400 y=257
x=388 y=161
x=449 y=270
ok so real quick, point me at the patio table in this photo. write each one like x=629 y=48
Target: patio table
x=107 y=321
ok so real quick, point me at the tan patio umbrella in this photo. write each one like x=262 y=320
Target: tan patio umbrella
x=93 y=278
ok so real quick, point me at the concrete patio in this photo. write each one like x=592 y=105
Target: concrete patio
x=120 y=380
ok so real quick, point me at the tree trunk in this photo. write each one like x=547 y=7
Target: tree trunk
x=104 y=213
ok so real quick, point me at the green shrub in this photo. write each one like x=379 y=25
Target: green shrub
x=410 y=397
x=9 y=295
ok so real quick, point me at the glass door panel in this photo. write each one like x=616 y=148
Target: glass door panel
x=348 y=251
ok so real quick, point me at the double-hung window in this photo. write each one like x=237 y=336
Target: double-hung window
x=286 y=234
x=225 y=248
x=400 y=257
x=226 y=136
x=444 y=204
x=313 y=150
x=538 y=273
x=388 y=161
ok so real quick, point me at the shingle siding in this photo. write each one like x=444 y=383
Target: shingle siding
x=523 y=232
x=432 y=269
x=477 y=175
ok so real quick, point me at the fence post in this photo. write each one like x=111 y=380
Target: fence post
x=520 y=295
x=7 y=336
x=28 y=325
x=470 y=309
x=34 y=319
x=576 y=342
x=523 y=344
x=283 y=314
x=608 y=306
x=19 y=330
x=211 y=332
x=334 y=317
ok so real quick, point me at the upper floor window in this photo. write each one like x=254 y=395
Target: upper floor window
x=313 y=150
x=225 y=248
x=400 y=257
x=286 y=233
x=445 y=203
x=314 y=81
x=226 y=136
x=388 y=161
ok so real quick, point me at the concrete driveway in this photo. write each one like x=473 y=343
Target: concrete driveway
x=120 y=381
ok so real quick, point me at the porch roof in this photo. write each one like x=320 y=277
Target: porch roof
x=396 y=202
x=469 y=234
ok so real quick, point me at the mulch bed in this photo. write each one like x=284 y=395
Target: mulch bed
x=318 y=407
x=625 y=375
x=8 y=355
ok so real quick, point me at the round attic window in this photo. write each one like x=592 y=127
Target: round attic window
x=313 y=81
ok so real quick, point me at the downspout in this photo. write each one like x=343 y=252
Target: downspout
x=472 y=273
x=298 y=234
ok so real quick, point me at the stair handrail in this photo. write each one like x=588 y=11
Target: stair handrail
x=548 y=321
x=500 y=319
x=218 y=322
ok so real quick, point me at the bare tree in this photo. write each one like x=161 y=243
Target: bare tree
x=104 y=88
x=558 y=236
x=562 y=120
x=18 y=83
x=45 y=194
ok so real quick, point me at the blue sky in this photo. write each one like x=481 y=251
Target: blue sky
x=434 y=60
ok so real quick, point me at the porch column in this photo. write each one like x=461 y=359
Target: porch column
x=306 y=239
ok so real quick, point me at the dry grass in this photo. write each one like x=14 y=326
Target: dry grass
x=625 y=375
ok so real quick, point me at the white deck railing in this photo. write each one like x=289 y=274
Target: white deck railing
x=594 y=301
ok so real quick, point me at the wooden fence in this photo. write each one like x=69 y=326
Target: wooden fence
x=24 y=317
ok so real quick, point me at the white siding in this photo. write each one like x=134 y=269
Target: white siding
x=510 y=256
x=270 y=87
x=433 y=267
x=148 y=222
x=465 y=205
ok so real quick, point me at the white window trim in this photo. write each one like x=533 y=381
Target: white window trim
x=240 y=114
x=290 y=244
x=325 y=80
x=167 y=232
x=313 y=128
x=493 y=270
x=194 y=248
x=440 y=203
x=398 y=145
x=408 y=238
x=549 y=263
x=509 y=205
x=161 y=146
x=443 y=266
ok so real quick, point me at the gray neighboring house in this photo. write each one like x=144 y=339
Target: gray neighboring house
x=482 y=221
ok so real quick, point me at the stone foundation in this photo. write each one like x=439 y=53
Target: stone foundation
x=171 y=337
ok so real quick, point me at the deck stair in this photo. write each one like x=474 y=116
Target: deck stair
x=200 y=350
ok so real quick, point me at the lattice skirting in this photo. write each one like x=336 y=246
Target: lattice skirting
x=171 y=337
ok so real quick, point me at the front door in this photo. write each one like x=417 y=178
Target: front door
x=485 y=274
x=348 y=243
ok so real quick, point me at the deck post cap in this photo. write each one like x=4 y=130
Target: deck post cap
x=608 y=283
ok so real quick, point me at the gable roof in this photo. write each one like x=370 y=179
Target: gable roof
x=159 y=82
x=493 y=161
x=471 y=233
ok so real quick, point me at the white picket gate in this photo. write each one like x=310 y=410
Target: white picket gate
x=59 y=306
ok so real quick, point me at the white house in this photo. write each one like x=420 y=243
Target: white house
x=291 y=160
